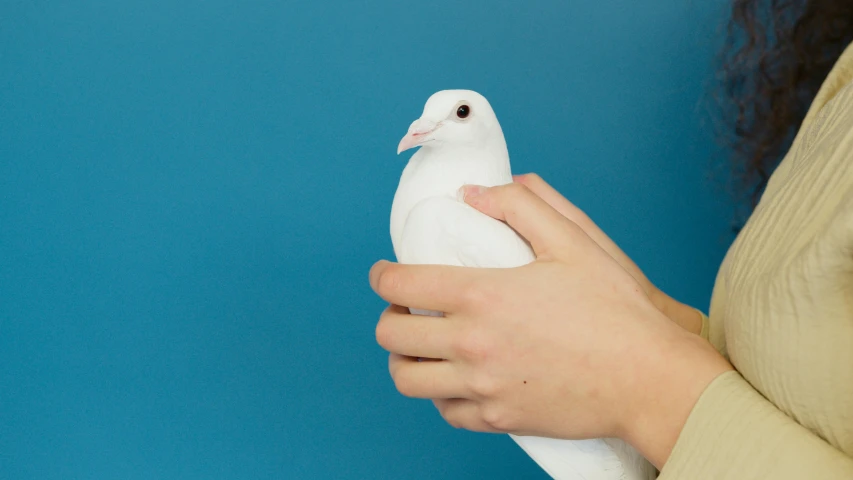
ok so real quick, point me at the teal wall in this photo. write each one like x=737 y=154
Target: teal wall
x=192 y=192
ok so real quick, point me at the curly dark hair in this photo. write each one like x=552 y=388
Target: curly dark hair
x=776 y=55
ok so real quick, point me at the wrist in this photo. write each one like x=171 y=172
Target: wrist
x=676 y=373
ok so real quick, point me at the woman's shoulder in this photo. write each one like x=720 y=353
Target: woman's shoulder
x=821 y=142
x=838 y=80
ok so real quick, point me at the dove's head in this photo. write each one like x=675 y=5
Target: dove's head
x=454 y=117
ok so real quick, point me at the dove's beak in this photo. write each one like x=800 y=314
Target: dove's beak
x=419 y=133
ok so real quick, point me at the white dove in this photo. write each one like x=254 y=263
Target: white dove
x=462 y=143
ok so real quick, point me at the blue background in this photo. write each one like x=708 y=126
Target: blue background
x=192 y=193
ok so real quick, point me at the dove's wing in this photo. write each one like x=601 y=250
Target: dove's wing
x=443 y=230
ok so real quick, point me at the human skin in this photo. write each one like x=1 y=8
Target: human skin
x=682 y=314
x=577 y=344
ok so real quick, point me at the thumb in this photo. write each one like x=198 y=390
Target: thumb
x=547 y=230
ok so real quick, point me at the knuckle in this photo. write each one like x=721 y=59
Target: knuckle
x=481 y=296
x=472 y=295
x=533 y=180
x=497 y=417
x=483 y=386
x=515 y=189
x=473 y=346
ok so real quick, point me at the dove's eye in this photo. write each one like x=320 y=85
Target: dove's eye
x=463 y=111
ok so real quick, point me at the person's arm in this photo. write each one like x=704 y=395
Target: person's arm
x=735 y=433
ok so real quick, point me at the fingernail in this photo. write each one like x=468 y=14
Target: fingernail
x=467 y=192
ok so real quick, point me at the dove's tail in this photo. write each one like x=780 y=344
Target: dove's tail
x=586 y=459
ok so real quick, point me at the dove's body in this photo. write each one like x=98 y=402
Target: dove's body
x=429 y=225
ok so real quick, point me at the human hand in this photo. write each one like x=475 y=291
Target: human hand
x=569 y=346
x=683 y=315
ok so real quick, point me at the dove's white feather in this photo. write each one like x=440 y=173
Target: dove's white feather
x=429 y=225
x=455 y=233
x=584 y=459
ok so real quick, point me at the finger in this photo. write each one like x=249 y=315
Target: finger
x=558 y=202
x=427 y=287
x=426 y=379
x=400 y=332
x=552 y=197
x=463 y=413
x=546 y=192
x=545 y=228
